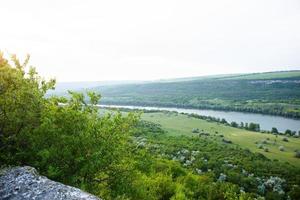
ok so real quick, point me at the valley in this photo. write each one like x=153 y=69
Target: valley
x=275 y=93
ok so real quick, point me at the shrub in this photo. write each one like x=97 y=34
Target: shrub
x=226 y=141
x=264 y=142
x=195 y=130
x=260 y=146
x=281 y=148
x=297 y=154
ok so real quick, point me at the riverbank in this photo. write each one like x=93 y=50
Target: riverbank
x=267 y=122
x=180 y=124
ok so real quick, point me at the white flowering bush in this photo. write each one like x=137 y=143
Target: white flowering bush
x=222 y=177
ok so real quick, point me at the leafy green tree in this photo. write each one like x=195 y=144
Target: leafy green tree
x=288 y=132
x=234 y=124
x=21 y=104
x=242 y=125
x=223 y=121
x=75 y=145
x=274 y=130
x=254 y=127
x=66 y=139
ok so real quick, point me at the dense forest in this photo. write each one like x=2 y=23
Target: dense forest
x=275 y=93
x=116 y=155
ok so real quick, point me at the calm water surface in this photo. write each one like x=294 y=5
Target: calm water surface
x=266 y=121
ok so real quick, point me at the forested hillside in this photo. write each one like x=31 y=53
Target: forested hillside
x=275 y=93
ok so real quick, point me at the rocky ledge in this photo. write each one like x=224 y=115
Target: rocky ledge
x=25 y=183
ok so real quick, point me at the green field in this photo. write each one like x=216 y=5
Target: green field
x=183 y=125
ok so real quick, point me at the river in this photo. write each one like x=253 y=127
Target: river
x=266 y=121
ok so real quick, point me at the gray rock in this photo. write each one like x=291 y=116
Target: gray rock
x=25 y=183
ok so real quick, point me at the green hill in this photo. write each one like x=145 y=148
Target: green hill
x=268 y=75
x=275 y=93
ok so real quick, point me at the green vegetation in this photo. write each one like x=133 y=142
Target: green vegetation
x=117 y=155
x=269 y=93
x=267 y=75
x=179 y=124
x=206 y=154
x=69 y=143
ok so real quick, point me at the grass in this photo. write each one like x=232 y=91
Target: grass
x=182 y=125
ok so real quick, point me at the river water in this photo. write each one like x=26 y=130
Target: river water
x=266 y=121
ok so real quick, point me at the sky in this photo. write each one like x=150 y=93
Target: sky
x=95 y=40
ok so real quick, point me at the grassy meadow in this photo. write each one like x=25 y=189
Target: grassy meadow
x=178 y=124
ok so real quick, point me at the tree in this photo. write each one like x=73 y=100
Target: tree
x=234 y=124
x=288 y=132
x=274 y=130
x=66 y=139
x=242 y=125
x=21 y=103
x=246 y=126
x=254 y=127
x=223 y=121
x=74 y=141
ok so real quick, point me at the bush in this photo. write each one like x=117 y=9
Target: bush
x=260 y=146
x=281 y=148
x=195 y=130
x=285 y=139
x=264 y=142
x=297 y=154
x=226 y=141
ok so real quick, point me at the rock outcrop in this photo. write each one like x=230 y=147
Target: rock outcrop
x=25 y=183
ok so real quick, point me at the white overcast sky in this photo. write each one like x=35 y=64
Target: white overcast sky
x=88 y=40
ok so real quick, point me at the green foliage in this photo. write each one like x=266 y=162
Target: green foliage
x=288 y=132
x=118 y=156
x=21 y=104
x=234 y=124
x=66 y=139
x=243 y=168
x=254 y=127
x=77 y=142
x=274 y=130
